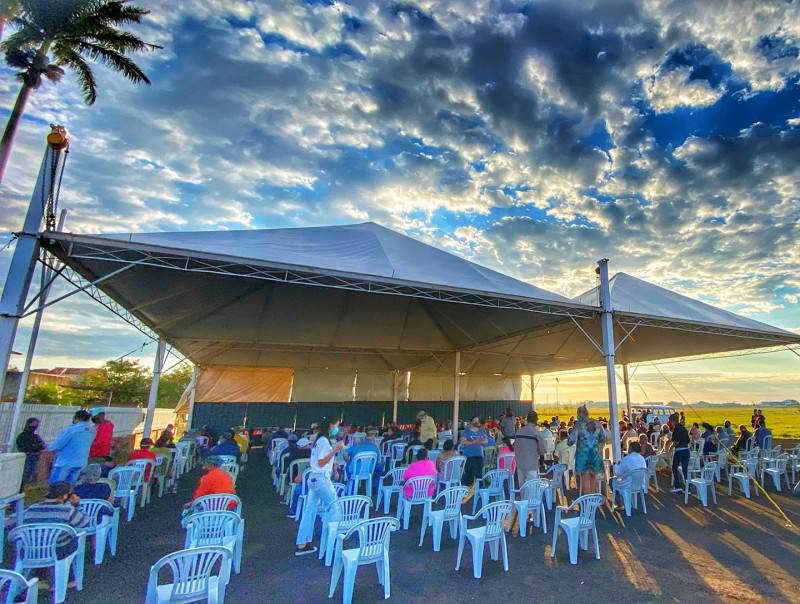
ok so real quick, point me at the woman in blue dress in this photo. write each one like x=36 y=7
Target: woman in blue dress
x=588 y=437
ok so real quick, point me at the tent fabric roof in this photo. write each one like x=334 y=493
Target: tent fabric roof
x=632 y=296
x=363 y=297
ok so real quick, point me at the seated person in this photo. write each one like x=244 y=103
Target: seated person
x=645 y=447
x=297 y=449
x=422 y=467
x=215 y=481
x=242 y=438
x=761 y=433
x=107 y=465
x=507 y=447
x=165 y=440
x=632 y=461
x=710 y=443
x=741 y=442
x=280 y=433
x=448 y=451
x=144 y=452
x=226 y=446
x=365 y=446
x=87 y=487
x=562 y=445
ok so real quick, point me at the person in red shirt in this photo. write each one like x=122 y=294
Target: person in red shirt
x=215 y=481
x=144 y=452
x=104 y=434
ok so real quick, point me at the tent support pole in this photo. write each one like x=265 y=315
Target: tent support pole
x=395 y=378
x=533 y=402
x=456 y=396
x=607 y=322
x=627 y=382
x=192 y=395
x=158 y=365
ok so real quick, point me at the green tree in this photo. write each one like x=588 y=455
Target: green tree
x=53 y=394
x=127 y=382
x=172 y=385
x=9 y=10
x=75 y=32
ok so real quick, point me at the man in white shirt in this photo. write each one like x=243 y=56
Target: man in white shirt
x=632 y=461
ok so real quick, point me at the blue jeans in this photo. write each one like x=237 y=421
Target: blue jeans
x=59 y=473
x=680 y=458
x=320 y=492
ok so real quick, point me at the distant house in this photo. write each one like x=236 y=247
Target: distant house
x=60 y=376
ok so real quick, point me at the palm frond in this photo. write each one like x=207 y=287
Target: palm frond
x=72 y=59
x=121 y=41
x=113 y=59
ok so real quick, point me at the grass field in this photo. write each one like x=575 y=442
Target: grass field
x=783 y=421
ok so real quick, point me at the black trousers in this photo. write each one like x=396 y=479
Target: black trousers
x=473 y=469
x=680 y=458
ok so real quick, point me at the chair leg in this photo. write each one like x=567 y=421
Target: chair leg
x=477 y=558
x=406 y=515
x=438 y=525
x=555 y=539
x=387 y=583
x=335 y=574
x=494 y=550
x=423 y=528
x=713 y=492
x=461 y=540
x=378 y=500
x=504 y=547
x=349 y=582
x=596 y=544
x=61 y=572
x=572 y=542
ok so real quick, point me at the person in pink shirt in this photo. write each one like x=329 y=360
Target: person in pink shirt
x=507 y=447
x=422 y=467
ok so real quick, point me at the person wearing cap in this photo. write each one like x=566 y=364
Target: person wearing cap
x=215 y=481
x=292 y=452
x=427 y=430
x=144 y=452
x=166 y=438
x=226 y=446
x=365 y=446
x=104 y=434
x=72 y=447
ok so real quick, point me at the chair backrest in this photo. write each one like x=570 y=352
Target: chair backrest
x=421 y=486
x=655 y=439
x=385 y=446
x=182 y=449
x=93 y=507
x=453 y=468
x=497 y=480
x=533 y=490
x=339 y=489
x=505 y=461
x=558 y=470
x=191 y=572
x=494 y=514
x=751 y=466
x=398 y=449
x=128 y=478
x=396 y=477
x=694 y=461
x=364 y=463
x=568 y=455
x=277 y=442
x=652 y=461
x=781 y=462
x=767 y=442
x=37 y=543
x=351 y=510
x=748 y=444
x=776 y=450
x=232 y=469
x=414 y=450
x=489 y=455
x=699 y=443
x=298 y=466
x=143 y=464
x=709 y=470
x=304 y=481
x=587 y=505
x=211 y=528
x=373 y=537
x=227 y=459
x=218 y=503
x=640 y=480
x=12 y=583
x=452 y=501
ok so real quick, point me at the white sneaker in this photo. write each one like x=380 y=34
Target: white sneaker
x=676 y=490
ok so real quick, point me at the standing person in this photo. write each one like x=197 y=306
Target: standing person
x=427 y=430
x=104 y=434
x=529 y=448
x=587 y=436
x=73 y=446
x=32 y=445
x=473 y=439
x=680 y=457
x=320 y=487
x=508 y=425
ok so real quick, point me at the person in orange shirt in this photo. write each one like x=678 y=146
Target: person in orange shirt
x=215 y=481
x=144 y=452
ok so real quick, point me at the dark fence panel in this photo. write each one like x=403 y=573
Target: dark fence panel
x=307 y=413
x=262 y=415
x=218 y=416
x=368 y=413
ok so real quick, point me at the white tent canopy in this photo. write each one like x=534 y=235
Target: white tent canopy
x=365 y=298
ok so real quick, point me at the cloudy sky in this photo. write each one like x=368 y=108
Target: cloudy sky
x=531 y=137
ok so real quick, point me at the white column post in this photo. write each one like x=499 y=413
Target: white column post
x=607 y=321
x=456 y=396
x=627 y=381
x=533 y=402
x=395 y=379
x=23 y=262
x=158 y=365
x=192 y=394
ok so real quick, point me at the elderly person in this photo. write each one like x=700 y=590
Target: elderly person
x=215 y=481
x=587 y=436
x=422 y=467
x=87 y=487
x=427 y=430
x=529 y=448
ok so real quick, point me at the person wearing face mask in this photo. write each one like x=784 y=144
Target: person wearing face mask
x=473 y=439
x=32 y=445
x=320 y=487
x=226 y=446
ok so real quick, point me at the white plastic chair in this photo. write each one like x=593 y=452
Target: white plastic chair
x=227 y=459
x=385 y=491
x=569 y=461
x=631 y=488
x=363 y=469
x=275 y=444
x=397 y=453
x=297 y=467
x=495 y=483
x=531 y=502
x=652 y=470
x=183 y=459
x=218 y=503
x=451 y=513
x=232 y=469
x=452 y=471
x=373 y=548
x=129 y=481
x=143 y=465
x=556 y=473
x=344 y=514
x=489 y=458
x=742 y=475
x=36 y=546
x=420 y=495
x=104 y=528
x=215 y=528
x=160 y=473
x=192 y=578
x=577 y=528
x=13 y=584
x=778 y=471
x=301 y=500
x=702 y=484
x=492 y=533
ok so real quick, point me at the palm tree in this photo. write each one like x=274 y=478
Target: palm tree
x=73 y=32
x=9 y=9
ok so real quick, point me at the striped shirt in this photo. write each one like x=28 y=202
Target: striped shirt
x=50 y=510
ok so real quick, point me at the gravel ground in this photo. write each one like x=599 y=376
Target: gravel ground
x=738 y=551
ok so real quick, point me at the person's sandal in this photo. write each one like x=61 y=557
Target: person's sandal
x=307 y=549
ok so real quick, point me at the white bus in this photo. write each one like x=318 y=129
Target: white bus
x=662 y=412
